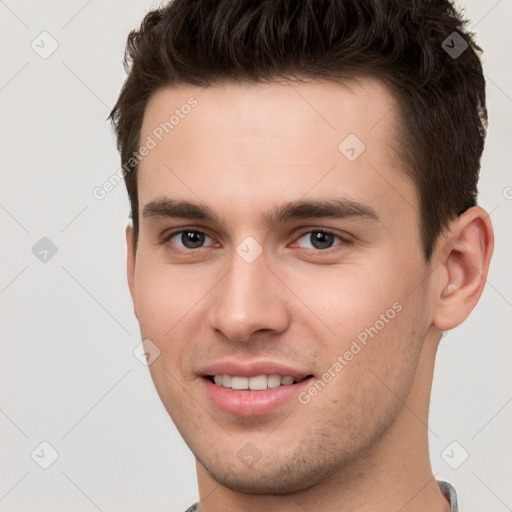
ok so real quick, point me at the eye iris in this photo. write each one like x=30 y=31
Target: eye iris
x=192 y=239
x=321 y=240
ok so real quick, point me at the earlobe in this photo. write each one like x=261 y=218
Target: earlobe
x=464 y=257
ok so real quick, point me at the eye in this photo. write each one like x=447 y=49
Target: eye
x=320 y=239
x=188 y=239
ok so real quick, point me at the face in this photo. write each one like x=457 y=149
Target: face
x=279 y=250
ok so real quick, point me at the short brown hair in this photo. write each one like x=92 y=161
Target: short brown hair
x=405 y=43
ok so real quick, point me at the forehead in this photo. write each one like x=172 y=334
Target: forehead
x=284 y=112
x=252 y=144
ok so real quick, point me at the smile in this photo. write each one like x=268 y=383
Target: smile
x=256 y=383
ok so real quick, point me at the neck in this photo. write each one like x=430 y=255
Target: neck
x=394 y=474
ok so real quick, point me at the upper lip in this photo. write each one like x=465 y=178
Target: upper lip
x=252 y=369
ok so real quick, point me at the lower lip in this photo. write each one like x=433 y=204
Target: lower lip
x=252 y=403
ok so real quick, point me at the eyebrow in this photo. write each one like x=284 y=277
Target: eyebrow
x=301 y=209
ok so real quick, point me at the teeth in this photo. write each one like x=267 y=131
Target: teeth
x=273 y=381
x=239 y=382
x=256 y=383
x=226 y=380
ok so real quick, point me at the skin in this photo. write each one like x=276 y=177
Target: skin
x=361 y=443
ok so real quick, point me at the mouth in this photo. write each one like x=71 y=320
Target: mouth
x=253 y=389
x=255 y=383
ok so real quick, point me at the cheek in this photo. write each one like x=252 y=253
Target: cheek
x=163 y=298
x=170 y=302
x=374 y=325
x=163 y=295
x=368 y=377
x=348 y=300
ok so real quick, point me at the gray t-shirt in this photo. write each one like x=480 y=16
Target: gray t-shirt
x=446 y=488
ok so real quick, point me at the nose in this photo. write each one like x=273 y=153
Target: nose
x=249 y=299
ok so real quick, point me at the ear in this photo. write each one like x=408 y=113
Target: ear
x=464 y=256
x=130 y=263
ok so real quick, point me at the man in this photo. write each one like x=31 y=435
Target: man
x=302 y=178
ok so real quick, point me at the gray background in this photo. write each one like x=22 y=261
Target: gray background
x=68 y=373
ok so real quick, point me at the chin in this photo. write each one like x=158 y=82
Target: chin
x=258 y=482
x=271 y=475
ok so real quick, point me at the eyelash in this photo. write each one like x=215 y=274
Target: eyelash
x=343 y=240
